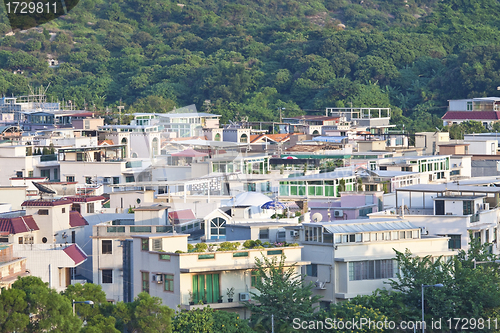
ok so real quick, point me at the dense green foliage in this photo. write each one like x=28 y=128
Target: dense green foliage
x=470 y=290
x=249 y=58
x=282 y=293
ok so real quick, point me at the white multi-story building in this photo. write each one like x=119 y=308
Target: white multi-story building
x=356 y=257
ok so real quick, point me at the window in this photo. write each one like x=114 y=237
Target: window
x=169 y=282
x=79 y=156
x=129 y=179
x=116 y=180
x=88 y=180
x=372 y=269
x=145 y=282
x=455 y=242
x=312 y=270
x=206 y=286
x=218 y=228
x=469 y=106
x=43 y=212
x=90 y=207
x=30 y=173
x=107 y=247
x=140 y=229
x=70 y=179
x=75 y=207
x=107 y=276
x=264 y=234
x=157 y=244
x=145 y=244
x=240 y=254
x=63 y=210
x=206 y=256
x=274 y=252
x=164 y=256
x=468 y=207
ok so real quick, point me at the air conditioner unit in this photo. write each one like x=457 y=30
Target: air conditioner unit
x=338 y=213
x=320 y=285
x=244 y=297
x=295 y=233
x=158 y=278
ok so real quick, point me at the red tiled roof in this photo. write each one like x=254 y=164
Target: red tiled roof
x=108 y=142
x=76 y=219
x=272 y=137
x=86 y=198
x=181 y=215
x=471 y=115
x=46 y=203
x=76 y=254
x=17 y=225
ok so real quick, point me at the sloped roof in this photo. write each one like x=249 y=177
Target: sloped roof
x=46 y=203
x=76 y=219
x=105 y=142
x=76 y=254
x=271 y=137
x=472 y=115
x=86 y=198
x=17 y=225
x=181 y=215
x=189 y=153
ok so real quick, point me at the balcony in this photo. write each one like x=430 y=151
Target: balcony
x=48 y=158
x=474 y=218
x=133 y=164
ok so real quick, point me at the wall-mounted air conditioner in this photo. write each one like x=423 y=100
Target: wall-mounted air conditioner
x=244 y=297
x=338 y=213
x=158 y=278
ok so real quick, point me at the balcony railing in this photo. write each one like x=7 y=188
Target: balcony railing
x=48 y=158
x=474 y=218
x=133 y=164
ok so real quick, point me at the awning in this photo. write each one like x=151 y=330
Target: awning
x=333 y=139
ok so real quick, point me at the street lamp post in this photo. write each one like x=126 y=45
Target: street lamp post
x=83 y=302
x=438 y=285
x=281 y=118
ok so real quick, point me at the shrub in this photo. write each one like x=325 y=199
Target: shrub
x=200 y=247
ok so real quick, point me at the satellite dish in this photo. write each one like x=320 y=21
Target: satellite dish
x=43 y=189
x=317 y=217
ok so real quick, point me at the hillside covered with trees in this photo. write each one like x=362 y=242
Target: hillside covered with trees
x=250 y=57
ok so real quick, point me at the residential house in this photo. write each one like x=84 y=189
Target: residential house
x=163 y=268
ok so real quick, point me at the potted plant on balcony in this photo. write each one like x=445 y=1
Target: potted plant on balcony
x=191 y=298
x=230 y=294
x=220 y=299
x=205 y=298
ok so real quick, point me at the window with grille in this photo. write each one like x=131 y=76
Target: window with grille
x=43 y=212
x=157 y=244
x=372 y=269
